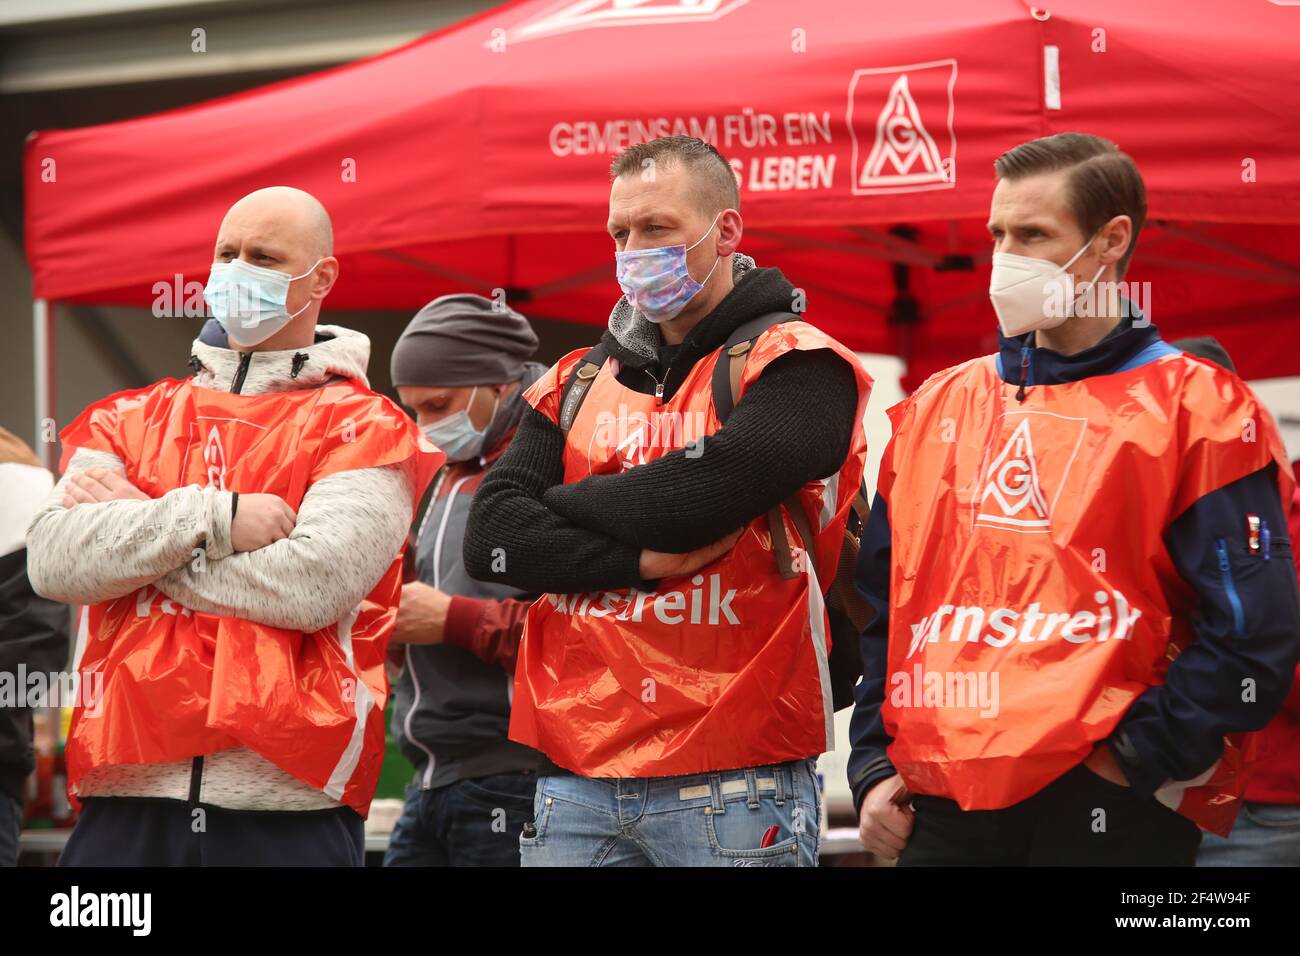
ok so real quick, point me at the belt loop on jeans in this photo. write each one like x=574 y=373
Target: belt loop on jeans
x=751 y=785
x=778 y=773
x=715 y=789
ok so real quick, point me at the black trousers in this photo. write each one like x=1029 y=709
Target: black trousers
x=1080 y=819
x=130 y=831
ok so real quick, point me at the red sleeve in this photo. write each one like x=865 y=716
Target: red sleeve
x=490 y=629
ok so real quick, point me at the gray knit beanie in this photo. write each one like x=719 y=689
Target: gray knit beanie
x=463 y=339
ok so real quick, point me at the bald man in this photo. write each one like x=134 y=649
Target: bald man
x=236 y=538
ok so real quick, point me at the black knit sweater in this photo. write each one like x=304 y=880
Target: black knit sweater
x=794 y=424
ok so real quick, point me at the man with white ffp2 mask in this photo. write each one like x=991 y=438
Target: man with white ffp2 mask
x=1110 y=566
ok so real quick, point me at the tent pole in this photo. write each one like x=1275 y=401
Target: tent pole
x=42 y=367
x=1193 y=234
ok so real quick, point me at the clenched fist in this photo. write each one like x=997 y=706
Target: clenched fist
x=422 y=615
x=885 y=822
x=260 y=520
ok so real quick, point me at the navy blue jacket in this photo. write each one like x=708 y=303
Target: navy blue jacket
x=1247 y=624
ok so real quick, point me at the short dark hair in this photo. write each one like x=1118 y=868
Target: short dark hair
x=1103 y=182
x=715 y=182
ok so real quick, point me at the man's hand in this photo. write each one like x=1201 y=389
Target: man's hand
x=1102 y=762
x=260 y=520
x=99 y=484
x=885 y=822
x=422 y=615
x=660 y=564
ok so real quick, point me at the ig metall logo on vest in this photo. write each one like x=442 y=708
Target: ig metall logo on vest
x=1025 y=468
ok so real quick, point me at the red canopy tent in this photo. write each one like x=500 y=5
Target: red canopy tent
x=863 y=136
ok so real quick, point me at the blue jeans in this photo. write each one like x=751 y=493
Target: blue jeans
x=707 y=819
x=11 y=822
x=1266 y=834
x=466 y=823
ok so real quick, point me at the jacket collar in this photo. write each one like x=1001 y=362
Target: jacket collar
x=509 y=415
x=1119 y=345
x=337 y=353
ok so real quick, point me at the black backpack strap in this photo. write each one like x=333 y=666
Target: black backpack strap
x=579 y=383
x=730 y=365
x=727 y=372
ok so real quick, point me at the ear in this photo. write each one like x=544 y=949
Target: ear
x=1115 y=236
x=323 y=279
x=730 y=228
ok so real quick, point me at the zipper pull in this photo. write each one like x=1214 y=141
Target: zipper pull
x=1230 y=588
x=659 y=386
x=1024 y=373
x=237 y=386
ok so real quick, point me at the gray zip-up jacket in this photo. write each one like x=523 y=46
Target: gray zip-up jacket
x=350 y=525
x=451 y=710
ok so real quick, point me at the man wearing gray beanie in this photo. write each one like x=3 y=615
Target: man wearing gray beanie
x=461 y=367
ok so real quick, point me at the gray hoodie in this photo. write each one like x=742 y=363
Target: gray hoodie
x=451 y=710
x=350 y=526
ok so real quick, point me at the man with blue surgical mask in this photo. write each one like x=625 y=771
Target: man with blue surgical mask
x=254 y=513
x=461 y=367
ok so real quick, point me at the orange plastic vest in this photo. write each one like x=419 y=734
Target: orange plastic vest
x=720 y=669
x=1032 y=596
x=179 y=683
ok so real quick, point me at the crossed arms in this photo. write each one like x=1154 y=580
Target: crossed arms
x=98 y=538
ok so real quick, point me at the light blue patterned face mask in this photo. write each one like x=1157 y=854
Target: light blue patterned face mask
x=657 y=282
x=249 y=300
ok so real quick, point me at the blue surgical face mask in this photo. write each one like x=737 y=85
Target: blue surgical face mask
x=456 y=435
x=657 y=282
x=249 y=300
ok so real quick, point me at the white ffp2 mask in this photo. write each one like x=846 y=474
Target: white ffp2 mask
x=1030 y=294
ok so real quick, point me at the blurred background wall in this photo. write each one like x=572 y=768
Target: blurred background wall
x=71 y=63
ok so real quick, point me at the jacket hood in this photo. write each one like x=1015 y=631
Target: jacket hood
x=511 y=412
x=337 y=353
